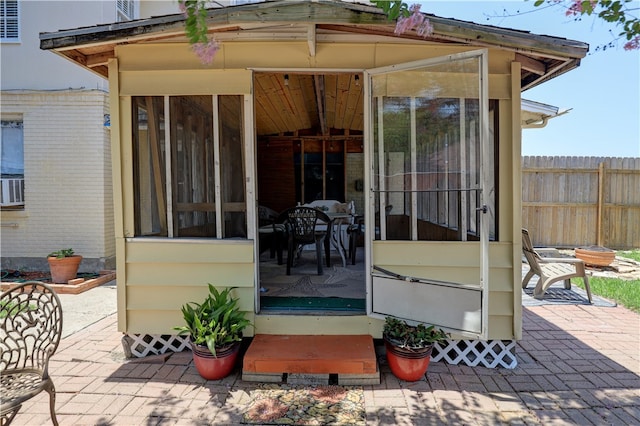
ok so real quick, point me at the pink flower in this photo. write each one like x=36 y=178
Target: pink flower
x=633 y=44
x=416 y=20
x=577 y=9
x=206 y=51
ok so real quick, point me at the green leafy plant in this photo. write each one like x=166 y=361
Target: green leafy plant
x=621 y=13
x=407 y=336
x=62 y=253
x=216 y=322
x=11 y=308
x=393 y=8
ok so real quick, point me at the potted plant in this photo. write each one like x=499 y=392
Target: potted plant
x=215 y=332
x=63 y=265
x=409 y=347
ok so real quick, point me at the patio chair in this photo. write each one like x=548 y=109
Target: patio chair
x=356 y=230
x=304 y=226
x=31 y=330
x=271 y=232
x=551 y=269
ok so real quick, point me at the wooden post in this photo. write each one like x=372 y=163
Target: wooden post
x=599 y=221
x=324 y=169
x=302 y=189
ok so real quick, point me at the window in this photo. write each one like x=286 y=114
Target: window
x=12 y=164
x=241 y=2
x=428 y=155
x=9 y=21
x=125 y=10
x=190 y=184
x=319 y=171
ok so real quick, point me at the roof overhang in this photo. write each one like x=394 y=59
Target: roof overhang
x=542 y=57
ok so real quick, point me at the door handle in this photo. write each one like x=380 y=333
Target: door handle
x=483 y=209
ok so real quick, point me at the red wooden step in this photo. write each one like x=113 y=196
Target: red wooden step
x=308 y=354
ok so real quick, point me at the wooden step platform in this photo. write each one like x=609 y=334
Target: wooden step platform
x=341 y=359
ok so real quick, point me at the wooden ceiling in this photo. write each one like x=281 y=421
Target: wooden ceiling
x=320 y=104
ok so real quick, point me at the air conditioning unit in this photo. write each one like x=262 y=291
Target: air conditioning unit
x=125 y=10
x=12 y=192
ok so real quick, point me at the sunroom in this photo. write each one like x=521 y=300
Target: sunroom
x=320 y=103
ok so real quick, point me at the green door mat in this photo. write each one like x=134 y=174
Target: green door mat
x=312 y=303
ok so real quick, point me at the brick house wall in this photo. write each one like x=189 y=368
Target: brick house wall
x=68 y=187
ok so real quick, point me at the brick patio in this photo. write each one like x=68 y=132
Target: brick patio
x=577 y=365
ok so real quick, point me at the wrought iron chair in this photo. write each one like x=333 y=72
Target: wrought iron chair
x=31 y=317
x=551 y=269
x=306 y=225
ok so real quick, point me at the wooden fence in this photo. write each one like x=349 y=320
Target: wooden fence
x=582 y=201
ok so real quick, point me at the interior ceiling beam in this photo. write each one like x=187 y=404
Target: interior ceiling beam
x=319 y=84
x=311 y=40
x=531 y=65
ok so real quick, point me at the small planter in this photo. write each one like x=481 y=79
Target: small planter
x=408 y=365
x=64 y=269
x=596 y=255
x=215 y=367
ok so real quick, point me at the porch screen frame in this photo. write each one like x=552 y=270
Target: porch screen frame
x=370 y=172
x=166 y=193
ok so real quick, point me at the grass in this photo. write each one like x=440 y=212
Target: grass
x=623 y=292
x=630 y=254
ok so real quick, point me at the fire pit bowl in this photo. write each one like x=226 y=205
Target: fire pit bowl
x=596 y=255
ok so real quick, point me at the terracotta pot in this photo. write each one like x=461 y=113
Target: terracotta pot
x=408 y=365
x=596 y=255
x=215 y=367
x=64 y=269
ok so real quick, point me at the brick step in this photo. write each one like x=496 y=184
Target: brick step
x=299 y=358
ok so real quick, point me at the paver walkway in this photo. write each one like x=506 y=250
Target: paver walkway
x=577 y=365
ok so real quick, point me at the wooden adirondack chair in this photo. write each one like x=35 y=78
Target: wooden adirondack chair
x=551 y=269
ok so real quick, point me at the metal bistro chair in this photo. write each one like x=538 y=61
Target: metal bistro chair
x=31 y=330
x=304 y=226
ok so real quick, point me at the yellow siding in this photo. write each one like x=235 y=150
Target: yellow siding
x=500 y=303
x=162 y=274
x=176 y=273
x=173 y=68
x=308 y=324
x=172 y=298
x=164 y=250
x=500 y=327
x=185 y=82
x=455 y=262
x=162 y=322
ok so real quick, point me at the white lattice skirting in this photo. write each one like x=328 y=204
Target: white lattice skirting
x=141 y=345
x=491 y=354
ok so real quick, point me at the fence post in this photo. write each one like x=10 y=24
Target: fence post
x=599 y=218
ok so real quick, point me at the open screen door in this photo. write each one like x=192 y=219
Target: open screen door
x=430 y=196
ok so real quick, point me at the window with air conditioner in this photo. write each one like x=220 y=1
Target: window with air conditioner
x=239 y=2
x=12 y=164
x=125 y=10
x=9 y=21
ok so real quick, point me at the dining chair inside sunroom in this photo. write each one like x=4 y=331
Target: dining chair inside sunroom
x=307 y=225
